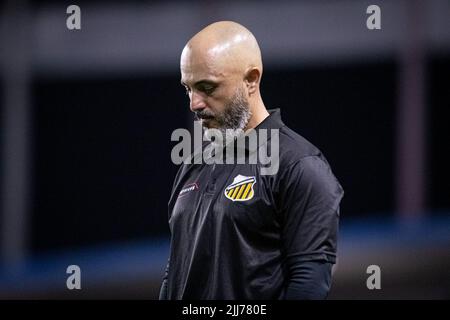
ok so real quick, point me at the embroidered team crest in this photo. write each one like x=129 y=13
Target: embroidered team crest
x=241 y=189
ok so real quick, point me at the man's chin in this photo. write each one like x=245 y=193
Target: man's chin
x=210 y=124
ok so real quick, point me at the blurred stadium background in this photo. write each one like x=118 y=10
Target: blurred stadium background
x=86 y=118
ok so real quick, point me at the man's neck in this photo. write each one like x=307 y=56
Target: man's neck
x=259 y=113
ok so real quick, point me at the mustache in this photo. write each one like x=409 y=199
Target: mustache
x=203 y=115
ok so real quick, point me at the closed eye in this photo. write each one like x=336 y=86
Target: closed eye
x=208 y=89
x=205 y=86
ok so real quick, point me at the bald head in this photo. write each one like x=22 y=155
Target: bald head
x=225 y=46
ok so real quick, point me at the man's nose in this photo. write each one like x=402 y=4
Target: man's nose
x=197 y=102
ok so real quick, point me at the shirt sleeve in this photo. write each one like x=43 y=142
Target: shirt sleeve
x=309 y=280
x=310 y=198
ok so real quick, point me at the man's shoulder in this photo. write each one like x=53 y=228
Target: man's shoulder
x=294 y=147
x=300 y=158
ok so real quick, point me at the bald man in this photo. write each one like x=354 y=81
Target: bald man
x=237 y=233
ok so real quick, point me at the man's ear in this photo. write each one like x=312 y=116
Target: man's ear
x=252 y=78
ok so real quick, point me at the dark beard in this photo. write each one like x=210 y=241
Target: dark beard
x=235 y=116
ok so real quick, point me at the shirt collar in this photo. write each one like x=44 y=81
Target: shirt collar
x=272 y=121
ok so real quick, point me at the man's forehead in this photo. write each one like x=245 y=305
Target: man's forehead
x=191 y=74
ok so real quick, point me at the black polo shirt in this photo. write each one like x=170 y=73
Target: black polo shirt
x=233 y=229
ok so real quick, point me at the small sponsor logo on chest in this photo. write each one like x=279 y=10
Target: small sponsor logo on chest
x=188 y=188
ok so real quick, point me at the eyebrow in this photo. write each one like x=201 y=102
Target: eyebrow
x=201 y=82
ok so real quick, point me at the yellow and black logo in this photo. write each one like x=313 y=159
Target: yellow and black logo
x=241 y=189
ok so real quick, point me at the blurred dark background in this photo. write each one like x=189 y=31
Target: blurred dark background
x=87 y=115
